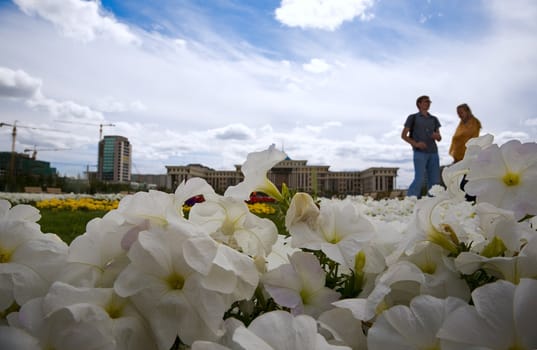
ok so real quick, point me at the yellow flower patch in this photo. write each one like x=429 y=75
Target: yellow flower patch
x=72 y=204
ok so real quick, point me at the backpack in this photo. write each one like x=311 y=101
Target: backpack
x=412 y=126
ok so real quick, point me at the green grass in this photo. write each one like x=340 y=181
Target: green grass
x=65 y=223
x=70 y=224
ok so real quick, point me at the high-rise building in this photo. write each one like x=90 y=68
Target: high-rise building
x=115 y=159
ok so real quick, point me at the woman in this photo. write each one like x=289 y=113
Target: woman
x=468 y=128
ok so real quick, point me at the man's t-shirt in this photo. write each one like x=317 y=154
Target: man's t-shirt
x=421 y=128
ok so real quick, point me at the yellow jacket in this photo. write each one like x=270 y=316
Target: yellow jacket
x=463 y=133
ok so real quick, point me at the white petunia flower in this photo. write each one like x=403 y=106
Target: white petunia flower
x=20 y=212
x=339 y=327
x=453 y=174
x=397 y=285
x=275 y=330
x=506 y=177
x=225 y=270
x=302 y=209
x=340 y=230
x=300 y=285
x=503 y=318
x=99 y=255
x=412 y=327
x=172 y=288
x=229 y=221
x=78 y=327
x=279 y=255
x=29 y=260
x=207 y=345
x=431 y=223
x=255 y=175
x=279 y=330
x=153 y=208
x=190 y=188
x=501 y=225
x=441 y=278
x=16 y=338
x=85 y=318
x=512 y=269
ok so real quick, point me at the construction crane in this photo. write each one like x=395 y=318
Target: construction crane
x=14 y=131
x=34 y=150
x=93 y=124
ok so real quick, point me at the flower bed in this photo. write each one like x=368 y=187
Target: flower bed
x=32 y=198
x=73 y=204
x=434 y=273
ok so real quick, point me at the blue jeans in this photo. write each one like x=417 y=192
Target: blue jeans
x=425 y=165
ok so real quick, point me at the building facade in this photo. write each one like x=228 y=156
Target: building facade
x=298 y=176
x=115 y=159
x=18 y=170
x=152 y=181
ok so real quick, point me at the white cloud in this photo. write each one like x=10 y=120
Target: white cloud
x=317 y=65
x=214 y=103
x=66 y=110
x=233 y=132
x=531 y=122
x=18 y=84
x=112 y=105
x=81 y=20
x=322 y=14
x=506 y=136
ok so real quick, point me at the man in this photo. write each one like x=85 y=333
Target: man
x=422 y=131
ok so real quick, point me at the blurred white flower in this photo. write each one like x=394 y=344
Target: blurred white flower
x=153 y=208
x=190 y=188
x=302 y=211
x=458 y=219
x=229 y=221
x=16 y=338
x=279 y=255
x=255 y=175
x=427 y=225
x=170 y=290
x=299 y=285
x=512 y=269
x=339 y=327
x=275 y=330
x=69 y=318
x=20 y=212
x=224 y=269
x=78 y=327
x=207 y=345
x=340 y=230
x=501 y=224
x=506 y=177
x=441 y=278
x=29 y=260
x=96 y=257
x=99 y=255
x=279 y=330
x=397 y=285
x=452 y=175
x=414 y=326
x=503 y=317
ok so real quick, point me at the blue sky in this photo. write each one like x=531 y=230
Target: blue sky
x=210 y=81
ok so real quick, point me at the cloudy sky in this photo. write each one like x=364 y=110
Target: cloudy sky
x=191 y=81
